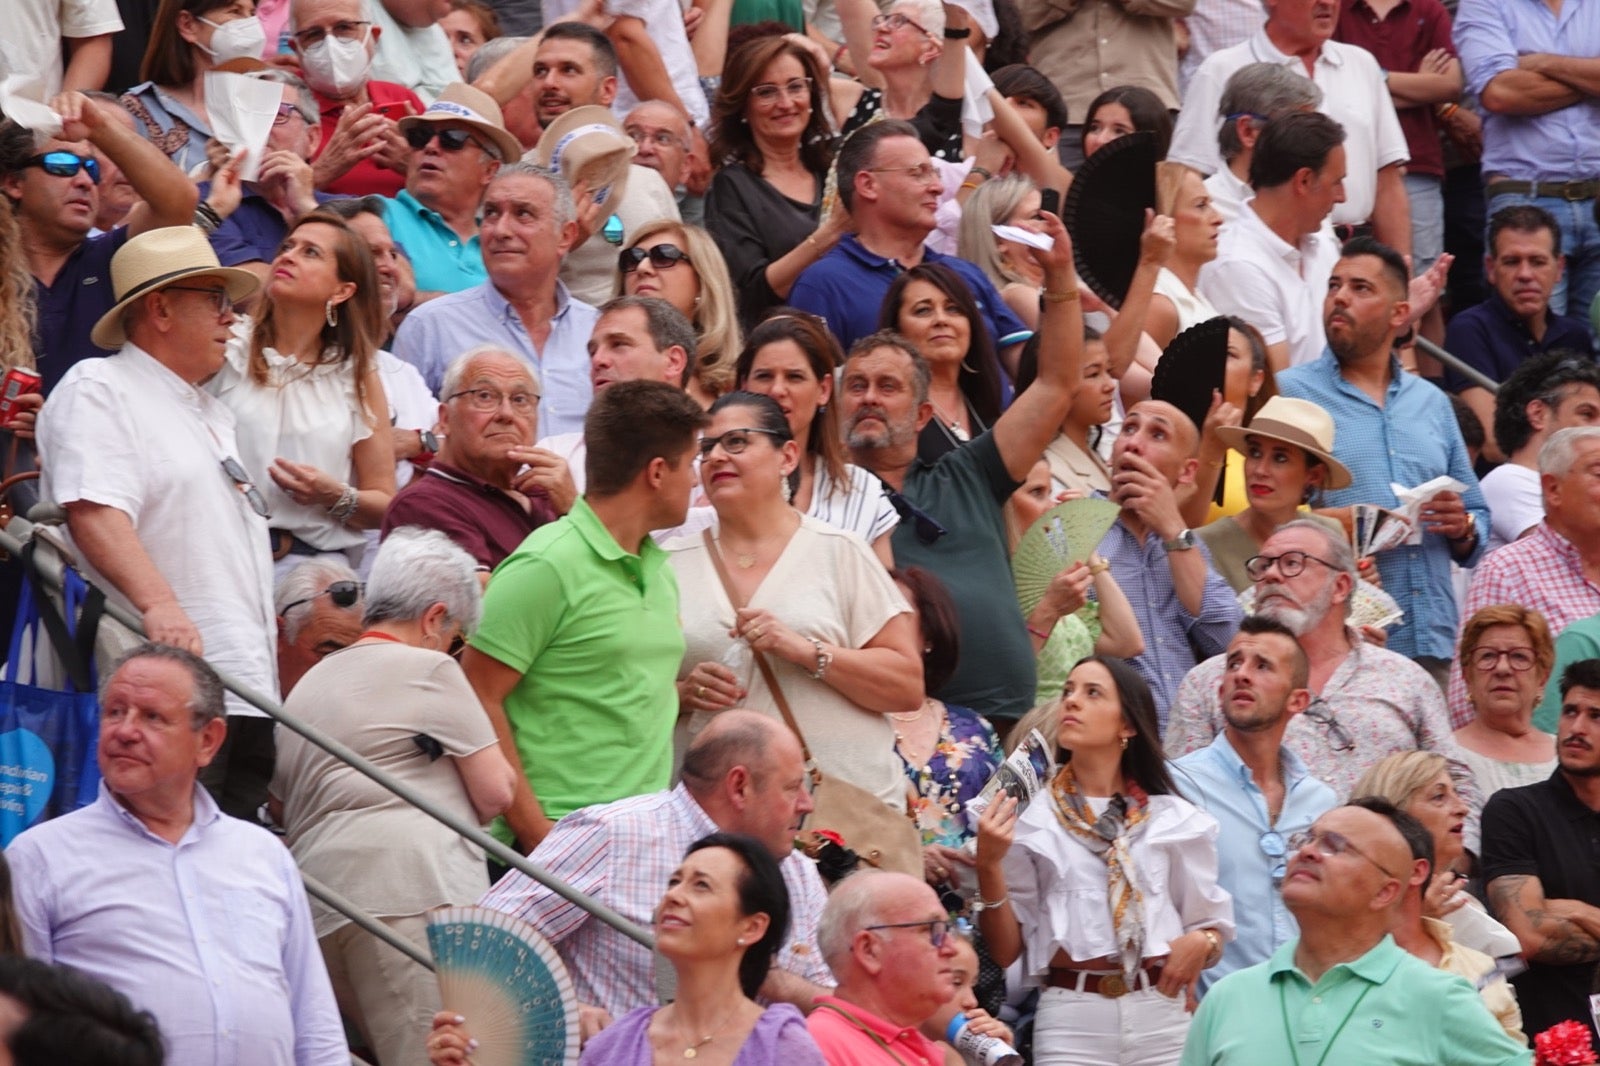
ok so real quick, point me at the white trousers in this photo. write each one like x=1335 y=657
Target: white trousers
x=1142 y=1028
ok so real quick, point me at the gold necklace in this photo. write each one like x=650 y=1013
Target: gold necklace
x=911 y=716
x=693 y=1049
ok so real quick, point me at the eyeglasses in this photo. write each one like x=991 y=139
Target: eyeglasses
x=342 y=593
x=894 y=21
x=1521 y=659
x=938 y=929
x=450 y=140
x=1290 y=564
x=491 y=399
x=1321 y=713
x=926 y=527
x=768 y=92
x=65 y=165
x=284 y=111
x=345 y=31
x=734 y=441
x=1329 y=843
x=219 y=297
x=661 y=257
x=1274 y=847
x=659 y=138
x=921 y=173
x=242 y=482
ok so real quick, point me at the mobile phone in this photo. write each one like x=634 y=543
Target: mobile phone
x=1050 y=200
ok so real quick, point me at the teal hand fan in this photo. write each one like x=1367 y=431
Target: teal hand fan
x=1063 y=535
x=496 y=971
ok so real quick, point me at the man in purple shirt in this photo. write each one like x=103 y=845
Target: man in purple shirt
x=197 y=917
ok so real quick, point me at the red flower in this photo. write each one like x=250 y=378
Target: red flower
x=1564 y=1044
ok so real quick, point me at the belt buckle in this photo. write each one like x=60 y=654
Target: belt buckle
x=1577 y=191
x=1113 y=985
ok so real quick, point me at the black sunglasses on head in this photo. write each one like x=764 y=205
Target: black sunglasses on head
x=661 y=257
x=342 y=593
x=451 y=140
x=65 y=164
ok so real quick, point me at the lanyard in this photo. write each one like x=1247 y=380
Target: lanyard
x=1288 y=1033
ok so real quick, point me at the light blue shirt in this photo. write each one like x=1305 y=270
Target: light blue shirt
x=1560 y=145
x=436 y=333
x=1217 y=781
x=212 y=935
x=1411 y=439
x=440 y=259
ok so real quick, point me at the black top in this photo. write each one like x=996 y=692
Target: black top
x=938 y=123
x=753 y=224
x=1544 y=830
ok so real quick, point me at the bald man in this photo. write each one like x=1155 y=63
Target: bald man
x=1184 y=607
x=1343 y=990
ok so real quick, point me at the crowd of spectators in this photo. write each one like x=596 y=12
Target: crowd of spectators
x=619 y=421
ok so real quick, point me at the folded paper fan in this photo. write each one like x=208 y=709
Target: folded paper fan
x=1063 y=535
x=1105 y=211
x=496 y=971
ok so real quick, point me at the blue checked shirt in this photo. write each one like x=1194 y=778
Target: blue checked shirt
x=1411 y=439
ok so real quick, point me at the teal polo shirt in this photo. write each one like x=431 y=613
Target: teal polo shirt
x=594 y=631
x=441 y=260
x=1386 y=1008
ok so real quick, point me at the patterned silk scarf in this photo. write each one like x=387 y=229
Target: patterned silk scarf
x=1109 y=836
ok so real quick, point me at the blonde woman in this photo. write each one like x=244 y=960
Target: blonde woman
x=1013 y=200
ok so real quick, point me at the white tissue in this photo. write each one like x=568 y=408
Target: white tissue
x=242 y=111
x=23 y=100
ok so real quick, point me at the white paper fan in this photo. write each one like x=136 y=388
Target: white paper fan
x=1369 y=606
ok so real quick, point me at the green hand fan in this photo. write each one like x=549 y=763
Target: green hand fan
x=496 y=971
x=1063 y=535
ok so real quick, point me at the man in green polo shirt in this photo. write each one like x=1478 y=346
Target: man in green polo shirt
x=1344 y=992
x=580 y=642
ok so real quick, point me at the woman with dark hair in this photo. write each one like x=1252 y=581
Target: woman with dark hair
x=1125 y=109
x=932 y=307
x=302 y=382
x=1105 y=886
x=772 y=143
x=812 y=599
x=1247 y=385
x=791 y=357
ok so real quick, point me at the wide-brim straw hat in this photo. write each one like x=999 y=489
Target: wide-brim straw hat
x=588 y=145
x=1297 y=422
x=471 y=107
x=159 y=258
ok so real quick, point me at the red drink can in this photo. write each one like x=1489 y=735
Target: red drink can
x=16 y=382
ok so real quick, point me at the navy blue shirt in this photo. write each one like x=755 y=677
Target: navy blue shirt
x=1493 y=339
x=847 y=286
x=254 y=231
x=71 y=305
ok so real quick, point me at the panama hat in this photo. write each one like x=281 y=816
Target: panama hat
x=586 y=144
x=156 y=259
x=462 y=103
x=1297 y=422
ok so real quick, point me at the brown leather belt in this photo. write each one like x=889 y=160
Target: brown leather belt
x=1110 y=984
x=1571 y=191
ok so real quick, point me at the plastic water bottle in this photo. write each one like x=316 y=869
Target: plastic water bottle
x=978 y=1049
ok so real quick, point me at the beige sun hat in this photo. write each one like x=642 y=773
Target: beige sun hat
x=587 y=144
x=156 y=259
x=1297 y=422
x=462 y=103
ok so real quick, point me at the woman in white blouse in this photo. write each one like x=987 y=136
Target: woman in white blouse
x=301 y=379
x=1105 y=885
x=1177 y=303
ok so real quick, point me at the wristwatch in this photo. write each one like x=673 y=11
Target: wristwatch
x=429 y=442
x=1472 y=530
x=1184 y=541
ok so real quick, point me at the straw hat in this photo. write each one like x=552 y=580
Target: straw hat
x=156 y=259
x=472 y=107
x=586 y=144
x=1297 y=422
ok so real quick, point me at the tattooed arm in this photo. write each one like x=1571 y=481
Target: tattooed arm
x=1561 y=932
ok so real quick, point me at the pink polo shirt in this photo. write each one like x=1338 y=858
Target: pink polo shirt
x=845 y=1043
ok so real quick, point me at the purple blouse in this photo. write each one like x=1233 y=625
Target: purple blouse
x=778 y=1039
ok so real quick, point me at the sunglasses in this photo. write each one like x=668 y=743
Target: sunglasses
x=65 y=165
x=938 y=930
x=926 y=527
x=662 y=257
x=1322 y=714
x=451 y=140
x=342 y=593
x=242 y=482
x=733 y=442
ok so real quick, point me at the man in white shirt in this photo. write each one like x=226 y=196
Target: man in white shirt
x=652 y=48
x=32 y=33
x=1253 y=96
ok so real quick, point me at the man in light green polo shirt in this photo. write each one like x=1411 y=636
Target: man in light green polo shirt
x=579 y=648
x=1344 y=992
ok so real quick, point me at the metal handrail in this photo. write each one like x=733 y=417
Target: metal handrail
x=1471 y=373
x=50 y=566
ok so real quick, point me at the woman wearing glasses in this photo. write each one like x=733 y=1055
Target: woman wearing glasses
x=1105 y=885
x=680 y=264
x=1506 y=655
x=811 y=599
x=301 y=381
x=904 y=60
x=792 y=357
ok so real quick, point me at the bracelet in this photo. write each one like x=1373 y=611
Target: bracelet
x=1060 y=297
x=1041 y=636
x=824 y=660
x=206 y=217
x=981 y=171
x=979 y=904
x=1099 y=568
x=1215 y=940
x=957 y=35
x=968 y=185
x=1445 y=110
x=345 y=506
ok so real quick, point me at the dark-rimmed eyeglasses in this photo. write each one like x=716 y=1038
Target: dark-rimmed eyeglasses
x=661 y=256
x=346 y=30
x=734 y=441
x=241 y=480
x=65 y=164
x=1321 y=712
x=219 y=297
x=938 y=929
x=450 y=140
x=768 y=92
x=1289 y=564
x=1521 y=659
x=926 y=527
x=482 y=399
x=1327 y=842
x=894 y=20
x=284 y=111
x=344 y=594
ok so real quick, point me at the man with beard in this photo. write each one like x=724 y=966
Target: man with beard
x=1538 y=863
x=1394 y=429
x=1258 y=790
x=1367 y=701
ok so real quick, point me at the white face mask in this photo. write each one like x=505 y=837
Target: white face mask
x=240 y=39
x=337 y=68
